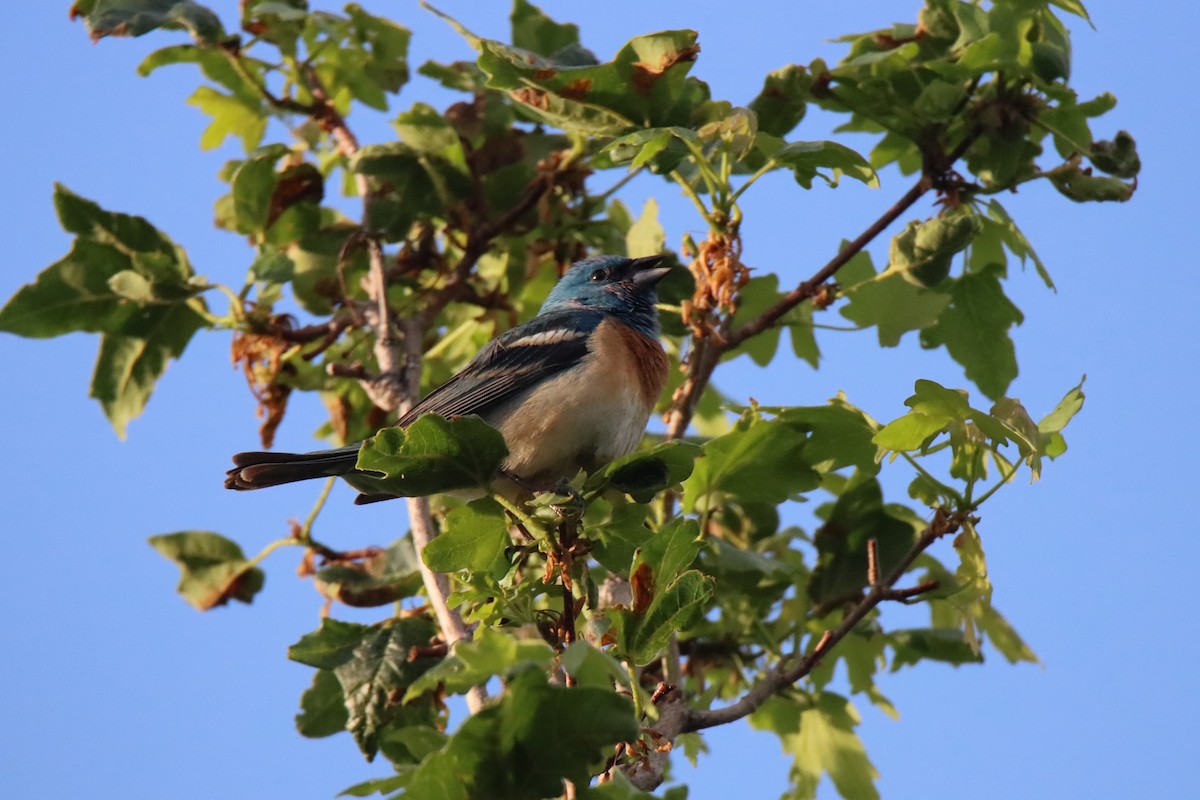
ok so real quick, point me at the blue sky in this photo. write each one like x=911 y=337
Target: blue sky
x=114 y=686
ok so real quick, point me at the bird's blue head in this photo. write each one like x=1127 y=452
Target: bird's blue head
x=623 y=287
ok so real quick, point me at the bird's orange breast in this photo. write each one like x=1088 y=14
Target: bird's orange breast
x=633 y=358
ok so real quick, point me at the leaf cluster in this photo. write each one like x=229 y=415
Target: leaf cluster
x=673 y=577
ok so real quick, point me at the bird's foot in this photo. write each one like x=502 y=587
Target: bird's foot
x=567 y=502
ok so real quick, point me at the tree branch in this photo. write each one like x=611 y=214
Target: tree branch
x=708 y=351
x=398 y=383
x=437 y=585
x=809 y=287
x=478 y=241
x=784 y=675
x=676 y=717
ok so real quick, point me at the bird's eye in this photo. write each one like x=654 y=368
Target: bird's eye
x=598 y=275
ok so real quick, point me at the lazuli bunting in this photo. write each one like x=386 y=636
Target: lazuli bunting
x=571 y=388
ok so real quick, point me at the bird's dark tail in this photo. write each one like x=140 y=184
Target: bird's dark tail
x=258 y=470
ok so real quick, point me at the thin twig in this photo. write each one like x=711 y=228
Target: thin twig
x=809 y=287
x=394 y=388
x=480 y=238
x=676 y=717
x=708 y=351
x=787 y=673
x=873 y=561
x=437 y=585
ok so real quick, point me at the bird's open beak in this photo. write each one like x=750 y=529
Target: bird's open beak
x=646 y=272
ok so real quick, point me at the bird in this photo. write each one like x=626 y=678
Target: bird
x=571 y=389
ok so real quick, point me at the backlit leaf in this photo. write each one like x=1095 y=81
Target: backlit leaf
x=894 y=306
x=213 y=569
x=760 y=460
x=807 y=160
x=473 y=537
x=974 y=330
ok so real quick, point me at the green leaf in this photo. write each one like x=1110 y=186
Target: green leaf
x=125 y=232
x=493 y=653
x=645 y=473
x=473 y=537
x=783 y=100
x=428 y=133
x=407 y=189
x=659 y=148
x=910 y=431
x=663 y=559
x=760 y=293
x=839 y=434
x=590 y=666
x=377 y=786
x=822 y=740
x=1074 y=7
x=73 y=294
x=243 y=83
x=253 y=186
x=734 y=131
x=277 y=21
x=379 y=670
x=974 y=330
x=1011 y=236
x=532 y=30
x=760 y=460
x=858 y=515
x=1118 y=157
x=807 y=159
x=1052 y=442
x=462 y=76
x=410 y=744
x=319 y=271
x=131 y=285
x=923 y=251
x=645 y=85
x=130 y=363
x=745 y=570
x=894 y=306
x=964 y=601
x=122 y=276
x=646 y=237
x=1080 y=185
x=432 y=455
x=373 y=666
x=524 y=746
x=642 y=637
x=322 y=707
x=272 y=266
x=213 y=569
x=617 y=538
x=386 y=577
x=329 y=646
x=231 y=116
x=380 y=51
x=1066 y=409
x=138 y=17
x=931 y=644
x=804 y=340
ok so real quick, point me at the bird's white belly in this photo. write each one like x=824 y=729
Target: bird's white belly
x=580 y=419
x=566 y=424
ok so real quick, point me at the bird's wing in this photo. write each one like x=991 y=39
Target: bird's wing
x=517 y=360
